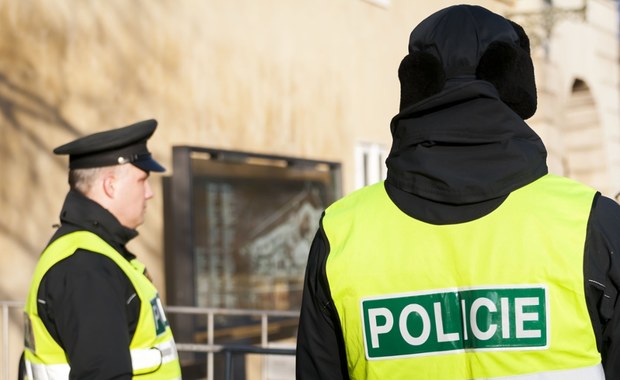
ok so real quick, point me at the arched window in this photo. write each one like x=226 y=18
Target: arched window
x=583 y=155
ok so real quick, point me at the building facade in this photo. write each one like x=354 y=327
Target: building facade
x=309 y=79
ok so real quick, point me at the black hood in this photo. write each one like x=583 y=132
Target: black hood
x=462 y=146
x=469 y=42
x=459 y=36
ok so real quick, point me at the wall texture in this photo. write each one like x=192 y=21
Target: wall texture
x=306 y=78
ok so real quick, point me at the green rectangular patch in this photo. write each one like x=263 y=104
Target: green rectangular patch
x=489 y=318
x=158 y=314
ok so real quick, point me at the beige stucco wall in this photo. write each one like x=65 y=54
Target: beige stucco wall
x=304 y=78
x=589 y=51
x=582 y=130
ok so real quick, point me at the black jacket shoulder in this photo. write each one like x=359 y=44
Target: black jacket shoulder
x=602 y=280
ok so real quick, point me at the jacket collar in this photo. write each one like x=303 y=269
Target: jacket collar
x=81 y=213
x=463 y=145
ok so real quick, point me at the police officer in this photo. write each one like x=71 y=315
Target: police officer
x=470 y=261
x=92 y=312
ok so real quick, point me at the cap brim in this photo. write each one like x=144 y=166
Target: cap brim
x=149 y=165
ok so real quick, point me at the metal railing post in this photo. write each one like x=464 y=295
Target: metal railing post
x=6 y=344
x=264 y=340
x=5 y=340
x=210 y=341
x=228 y=365
x=264 y=324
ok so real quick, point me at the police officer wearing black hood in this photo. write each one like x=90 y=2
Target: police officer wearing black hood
x=470 y=261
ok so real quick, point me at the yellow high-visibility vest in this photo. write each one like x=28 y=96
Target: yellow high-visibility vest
x=501 y=296
x=153 y=351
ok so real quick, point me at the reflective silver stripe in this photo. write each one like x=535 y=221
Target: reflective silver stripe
x=141 y=359
x=147 y=358
x=28 y=367
x=589 y=373
x=155 y=356
x=47 y=371
x=169 y=350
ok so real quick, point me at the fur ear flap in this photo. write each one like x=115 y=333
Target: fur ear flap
x=510 y=69
x=524 y=40
x=421 y=76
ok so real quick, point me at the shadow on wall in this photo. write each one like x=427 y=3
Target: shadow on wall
x=31 y=198
x=15 y=100
x=29 y=204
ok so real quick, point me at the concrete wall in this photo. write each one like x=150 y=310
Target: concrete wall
x=581 y=124
x=304 y=78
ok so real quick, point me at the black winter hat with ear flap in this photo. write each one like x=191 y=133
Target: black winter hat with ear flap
x=467 y=41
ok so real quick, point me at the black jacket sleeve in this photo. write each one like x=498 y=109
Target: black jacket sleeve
x=602 y=280
x=320 y=346
x=85 y=300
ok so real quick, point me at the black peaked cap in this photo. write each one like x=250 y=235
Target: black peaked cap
x=114 y=147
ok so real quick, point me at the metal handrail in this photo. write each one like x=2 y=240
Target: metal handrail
x=210 y=348
x=6 y=305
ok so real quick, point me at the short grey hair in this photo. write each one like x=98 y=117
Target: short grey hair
x=83 y=180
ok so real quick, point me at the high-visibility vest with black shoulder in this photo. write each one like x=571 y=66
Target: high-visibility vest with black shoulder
x=501 y=296
x=152 y=348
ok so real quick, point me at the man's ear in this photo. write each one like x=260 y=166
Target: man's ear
x=510 y=69
x=421 y=75
x=108 y=184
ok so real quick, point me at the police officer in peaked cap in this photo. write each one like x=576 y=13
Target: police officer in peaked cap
x=92 y=311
